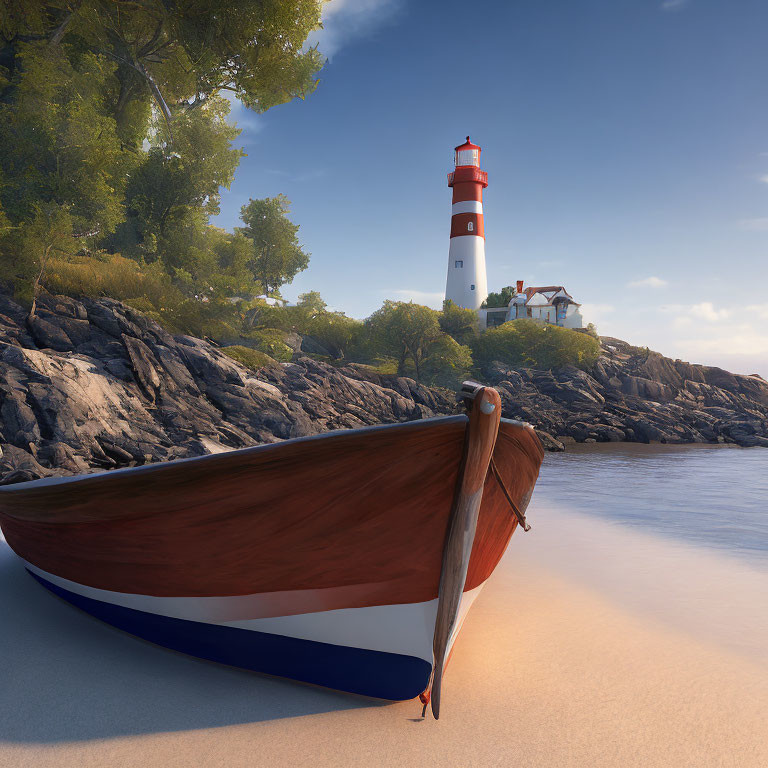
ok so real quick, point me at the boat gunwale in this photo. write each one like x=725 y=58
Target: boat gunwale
x=261 y=448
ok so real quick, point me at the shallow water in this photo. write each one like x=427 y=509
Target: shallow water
x=710 y=496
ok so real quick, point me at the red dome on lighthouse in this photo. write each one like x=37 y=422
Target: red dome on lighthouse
x=467 y=145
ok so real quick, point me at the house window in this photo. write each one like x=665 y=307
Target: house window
x=530 y=312
x=458 y=264
x=470 y=226
x=472 y=287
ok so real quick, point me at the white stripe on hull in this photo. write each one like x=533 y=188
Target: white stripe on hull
x=405 y=628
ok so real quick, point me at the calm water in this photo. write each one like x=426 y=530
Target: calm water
x=711 y=496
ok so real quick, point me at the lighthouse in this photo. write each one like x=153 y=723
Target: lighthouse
x=467 y=285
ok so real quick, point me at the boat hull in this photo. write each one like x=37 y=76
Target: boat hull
x=381 y=651
x=378 y=674
x=315 y=559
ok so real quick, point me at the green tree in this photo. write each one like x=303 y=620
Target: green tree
x=458 y=322
x=60 y=145
x=336 y=332
x=175 y=188
x=406 y=331
x=448 y=363
x=500 y=299
x=312 y=303
x=277 y=255
x=179 y=53
x=27 y=251
x=85 y=83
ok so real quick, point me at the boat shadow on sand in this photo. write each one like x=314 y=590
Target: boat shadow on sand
x=65 y=676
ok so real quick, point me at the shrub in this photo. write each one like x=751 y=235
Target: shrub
x=146 y=288
x=447 y=364
x=250 y=358
x=457 y=322
x=271 y=341
x=533 y=344
x=113 y=276
x=337 y=332
x=501 y=299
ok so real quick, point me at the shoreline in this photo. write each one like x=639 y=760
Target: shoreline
x=567 y=659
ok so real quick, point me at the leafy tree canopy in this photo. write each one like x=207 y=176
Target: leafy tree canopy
x=277 y=256
x=534 y=344
x=111 y=118
x=406 y=331
x=458 y=322
x=500 y=299
x=180 y=53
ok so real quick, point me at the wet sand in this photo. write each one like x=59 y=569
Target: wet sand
x=589 y=646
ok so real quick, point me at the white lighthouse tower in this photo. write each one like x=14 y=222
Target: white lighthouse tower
x=467 y=285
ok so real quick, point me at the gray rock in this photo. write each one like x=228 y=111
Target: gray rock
x=124 y=392
x=93 y=384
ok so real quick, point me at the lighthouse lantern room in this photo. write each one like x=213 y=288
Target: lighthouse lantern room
x=467 y=285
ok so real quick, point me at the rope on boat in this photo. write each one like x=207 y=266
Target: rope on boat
x=518 y=514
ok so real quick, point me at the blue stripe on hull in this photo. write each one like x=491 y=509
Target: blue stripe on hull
x=354 y=670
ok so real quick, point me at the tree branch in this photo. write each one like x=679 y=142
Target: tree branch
x=158 y=96
x=58 y=33
x=145 y=50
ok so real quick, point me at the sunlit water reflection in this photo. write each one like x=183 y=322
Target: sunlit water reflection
x=713 y=496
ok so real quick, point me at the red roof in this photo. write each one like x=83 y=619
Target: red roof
x=540 y=289
x=467 y=145
x=531 y=290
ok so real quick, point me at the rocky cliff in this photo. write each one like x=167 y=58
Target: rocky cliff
x=636 y=395
x=93 y=384
x=89 y=385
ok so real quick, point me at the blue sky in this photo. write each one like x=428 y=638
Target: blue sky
x=626 y=143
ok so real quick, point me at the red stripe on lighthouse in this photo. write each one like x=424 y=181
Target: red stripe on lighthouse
x=467 y=191
x=460 y=224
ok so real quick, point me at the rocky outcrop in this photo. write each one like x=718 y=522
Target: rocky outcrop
x=636 y=395
x=88 y=385
x=93 y=384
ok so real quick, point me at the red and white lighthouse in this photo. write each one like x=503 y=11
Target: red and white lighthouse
x=467 y=285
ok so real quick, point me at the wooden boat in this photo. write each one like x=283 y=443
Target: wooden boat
x=347 y=559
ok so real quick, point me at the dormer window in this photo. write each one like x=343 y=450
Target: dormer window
x=458 y=264
x=470 y=226
x=472 y=287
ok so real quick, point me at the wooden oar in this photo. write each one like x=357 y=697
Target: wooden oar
x=481 y=437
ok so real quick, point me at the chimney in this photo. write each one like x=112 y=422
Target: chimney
x=520 y=286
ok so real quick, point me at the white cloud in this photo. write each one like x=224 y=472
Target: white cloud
x=761 y=310
x=707 y=330
x=764 y=178
x=346 y=20
x=733 y=336
x=730 y=339
x=673 y=5
x=648 y=282
x=706 y=311
x=754 y=225
x=681 y=322
x=429 y=298
x=594 y=313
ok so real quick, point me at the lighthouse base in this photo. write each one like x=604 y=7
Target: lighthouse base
x=467 y=284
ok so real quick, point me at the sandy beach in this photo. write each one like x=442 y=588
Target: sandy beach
x=590 y=646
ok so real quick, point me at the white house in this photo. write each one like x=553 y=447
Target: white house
x=548 y=303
